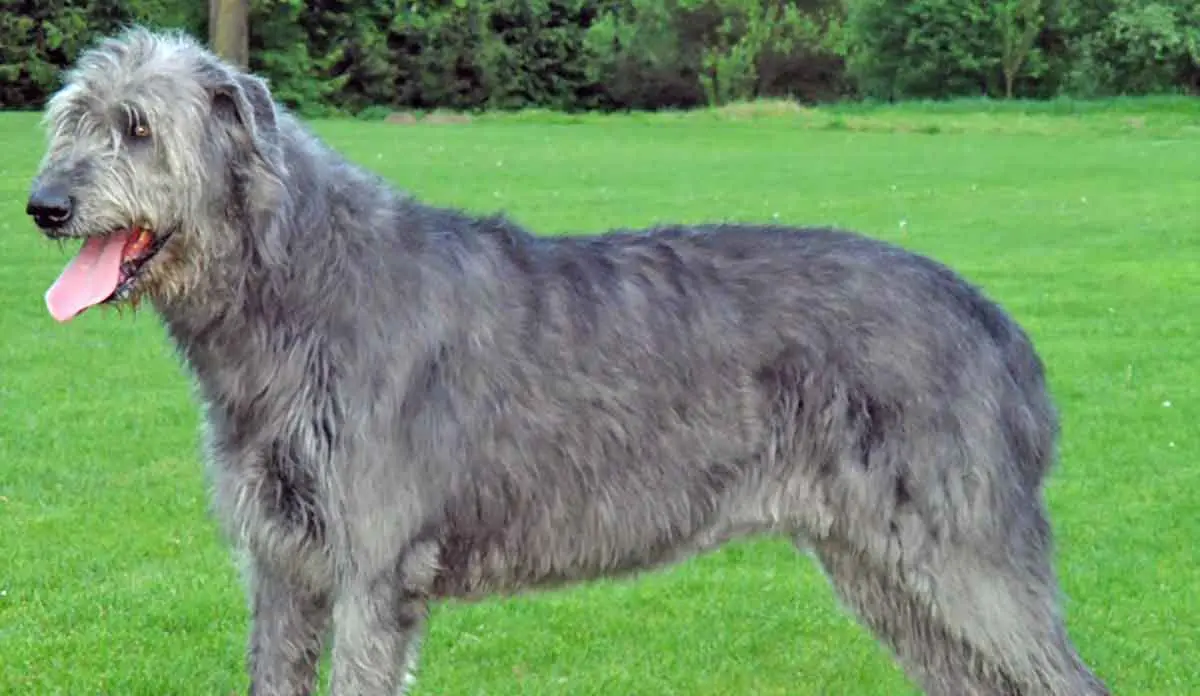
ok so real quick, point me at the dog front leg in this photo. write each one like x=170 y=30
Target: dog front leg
x=289 y=623
x=378 y=628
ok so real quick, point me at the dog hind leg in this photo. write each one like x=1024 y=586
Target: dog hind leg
x=977 y=624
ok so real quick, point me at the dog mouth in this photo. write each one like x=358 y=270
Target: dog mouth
x=106 y=270
x=142 y=245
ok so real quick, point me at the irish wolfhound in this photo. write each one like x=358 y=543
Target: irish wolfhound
x=406 y=403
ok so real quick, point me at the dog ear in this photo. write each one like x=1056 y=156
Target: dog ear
x=247 y=100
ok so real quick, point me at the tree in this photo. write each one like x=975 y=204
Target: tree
x=1020 y=22
x=229 y=30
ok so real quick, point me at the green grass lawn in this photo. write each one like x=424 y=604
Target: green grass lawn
x=1083 y=223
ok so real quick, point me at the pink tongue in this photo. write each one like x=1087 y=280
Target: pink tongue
x=89 y=278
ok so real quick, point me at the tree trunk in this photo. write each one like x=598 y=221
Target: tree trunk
x=229 y=30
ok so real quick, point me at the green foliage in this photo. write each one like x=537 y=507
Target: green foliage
x=36 y=40
x=436 y=48
x=904 y=49
x=940 y=48
x=1138 y=47
x=282 y=47
x=532 y=54
x=644 y=54
x=371 y=56
x=750 y=32
x=681 y=53
x=1019 y=23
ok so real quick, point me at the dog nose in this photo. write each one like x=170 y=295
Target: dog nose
x=49 y=206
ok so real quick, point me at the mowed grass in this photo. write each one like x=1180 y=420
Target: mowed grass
x=114 y=581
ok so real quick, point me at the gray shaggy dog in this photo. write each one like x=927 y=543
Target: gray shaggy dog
x=405 y=404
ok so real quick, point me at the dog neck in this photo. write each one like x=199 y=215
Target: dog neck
x=351 y=241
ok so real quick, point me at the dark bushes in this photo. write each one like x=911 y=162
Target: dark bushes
x=377 y=55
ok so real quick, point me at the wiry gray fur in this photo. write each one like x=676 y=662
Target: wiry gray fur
x=406 y=403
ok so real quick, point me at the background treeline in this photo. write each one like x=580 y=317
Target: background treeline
x=376 y=55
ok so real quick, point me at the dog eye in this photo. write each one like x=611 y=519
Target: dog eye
x=139 y=130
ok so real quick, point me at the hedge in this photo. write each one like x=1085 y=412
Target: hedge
x=373 y=56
